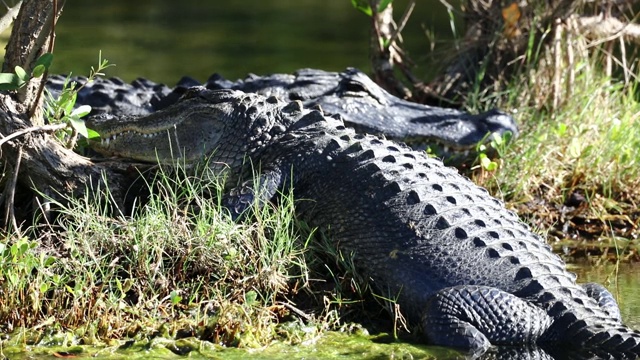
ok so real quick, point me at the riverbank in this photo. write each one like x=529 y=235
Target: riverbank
x=574 y=172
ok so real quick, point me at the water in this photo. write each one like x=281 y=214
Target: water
x=622 y=281
x=164 y=40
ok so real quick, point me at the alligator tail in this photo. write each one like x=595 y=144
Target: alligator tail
x=607 y=339
x=621 y=342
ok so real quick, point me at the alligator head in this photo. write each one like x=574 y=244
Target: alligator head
x=367 y=107
x=202 y=123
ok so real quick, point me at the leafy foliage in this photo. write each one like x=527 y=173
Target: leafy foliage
x=365 y=6
x=19 y=78
x=62 y=109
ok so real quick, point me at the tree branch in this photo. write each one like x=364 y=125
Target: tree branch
x=41 y=163
x=604 y=29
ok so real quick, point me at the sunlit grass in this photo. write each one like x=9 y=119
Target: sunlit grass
x=178 y=265
x=590 y=143
x=581 y=138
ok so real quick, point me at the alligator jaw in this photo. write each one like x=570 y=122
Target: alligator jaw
x=190 y=130
x=156 y=138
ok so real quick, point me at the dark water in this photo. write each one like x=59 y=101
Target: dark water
x=164 y=40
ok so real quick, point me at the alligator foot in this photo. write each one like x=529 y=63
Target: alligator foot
x=474 y=317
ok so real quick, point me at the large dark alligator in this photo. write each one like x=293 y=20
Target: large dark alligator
x=451 y=134
x=460 y=264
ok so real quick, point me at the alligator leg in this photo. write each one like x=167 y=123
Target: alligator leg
x=262 y=188
x=474 y=317
x=604 y=298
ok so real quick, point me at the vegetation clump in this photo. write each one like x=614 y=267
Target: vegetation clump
x=574 y=170
x=178 y=262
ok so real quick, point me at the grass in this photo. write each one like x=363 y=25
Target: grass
x=178 y=274
x=577 y=159
x=177 y=267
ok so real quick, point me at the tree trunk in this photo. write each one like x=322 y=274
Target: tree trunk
x=43 y=165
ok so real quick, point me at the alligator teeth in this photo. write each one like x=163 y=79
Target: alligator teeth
x=446 y=149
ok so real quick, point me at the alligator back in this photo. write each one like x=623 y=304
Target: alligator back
x=418 y=228
x=360 y=102
x=458 y=262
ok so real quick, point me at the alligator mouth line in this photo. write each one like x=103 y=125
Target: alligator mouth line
x=106 y=140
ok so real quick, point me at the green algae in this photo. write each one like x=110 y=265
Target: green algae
x=330 y=345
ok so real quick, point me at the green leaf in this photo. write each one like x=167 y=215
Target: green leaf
x=68 y=101
x=383 y=5
x=48 y=261
x=250 y=297
x=497 y=139
x=81 y=111
x=22 y=74
x=45 y=60
x=38 y=71
x=78 y=125
x=175 y=298
x=7 y=78
x=560 y=129
x=362 y=5
x=487 y=164
x=92 y=134
x=575 y=148
x=9 y=81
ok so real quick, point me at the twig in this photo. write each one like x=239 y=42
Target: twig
x=450 y=7
x=296 y=311
x=45 y=209
x=44 y=128
x=623 y=55
x=403 y=22
x=605 y=30
x=8 y=18
x=570 y=61
x=9 y=213
x=557 y=50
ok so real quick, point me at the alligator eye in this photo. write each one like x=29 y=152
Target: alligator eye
x=356 y=87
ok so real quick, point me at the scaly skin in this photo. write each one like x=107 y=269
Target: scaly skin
x=351 y=94
x=368 y=108
x=463 y=267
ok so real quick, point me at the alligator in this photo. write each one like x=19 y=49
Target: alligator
x=463 y=268
x=451 y=134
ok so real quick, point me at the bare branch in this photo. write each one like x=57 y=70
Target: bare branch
x=44 y=128
x=602 y=28
x=9 y=17
x=29 y=40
